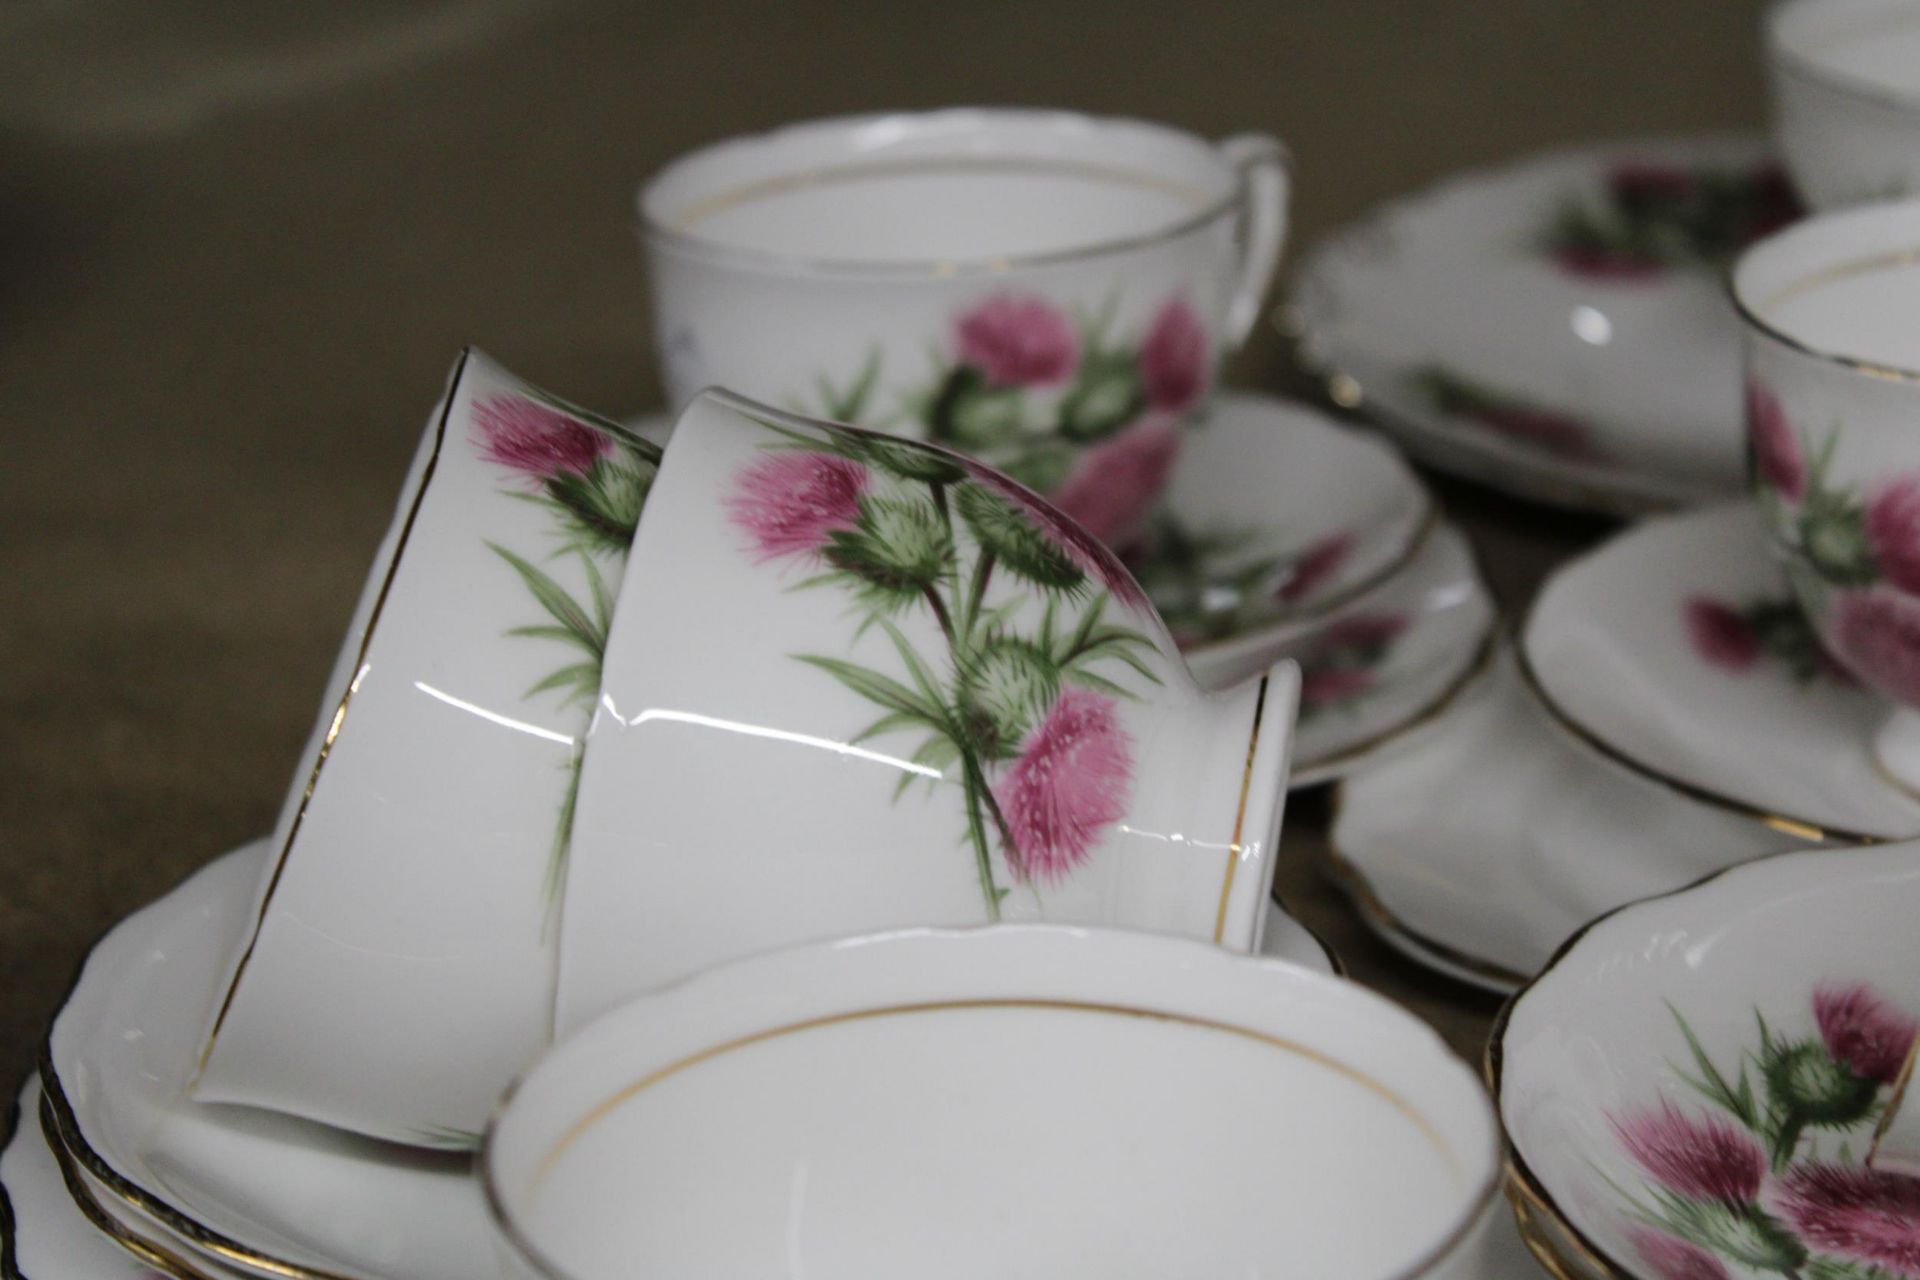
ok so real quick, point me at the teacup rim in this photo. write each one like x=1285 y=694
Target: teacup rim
x=660 y=233
x=1739 y=285
x=1524 y=1188
x=1476 y=1200
x=1796 y=61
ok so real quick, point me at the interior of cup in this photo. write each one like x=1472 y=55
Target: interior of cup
x=942 y=188
x=1692 y=1077
x=1844 y=285
x=1025 y=1101
x=1871 y=47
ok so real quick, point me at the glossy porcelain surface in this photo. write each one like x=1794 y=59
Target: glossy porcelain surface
x=1832 y=311
x=400 y=965
x=1046 y=291
x=1493 y=834
x=1556 y=327
x=1846 y=96
x=1694 y=1087
x=238 y=1187
x=744 y=1121
x=1677 y=647
x=1377 y=667
x=949 y=704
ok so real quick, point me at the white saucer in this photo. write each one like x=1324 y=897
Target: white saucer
x=1377 y=668
x=239 y=1186
x=1467 y=322
x=1675 y=648
x=43 y=1235
x=1478 y=849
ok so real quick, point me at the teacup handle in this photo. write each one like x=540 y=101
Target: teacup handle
x=1266 y=172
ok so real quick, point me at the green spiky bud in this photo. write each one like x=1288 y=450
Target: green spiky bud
x=1742 y=1233
x=903 y=458
x=897 y=549
x=1804 y=1081
x=1003 y=529
x=1107 y=397
x=1005 y=686
x=602 y=504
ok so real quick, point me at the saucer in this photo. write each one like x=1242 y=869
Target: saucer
x=1676 y=649
x=1478 y=848
x=1380 y=667
x=1556 y=327
x=239 y=1186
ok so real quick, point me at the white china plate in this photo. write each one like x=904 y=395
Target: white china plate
x=1483 y=844
x=1378 y=667
x=1672 y=648
x=1461 y=320
x=264 y=1194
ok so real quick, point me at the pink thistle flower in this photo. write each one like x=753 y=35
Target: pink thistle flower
x=1324 y=686
x=1555 y=432
x=536 y=439
x=1721 y=634
x=1864 y=1032
x=1892 y=526
x=1363 y=631
x=1018 y=341
x=1672 y=1258
x=792 y=502
x=1093 y=556
x=1700 y=1159
x=1876 y=634
x=1114 y=485
x=1777 y=459
x=1871 y=1215
x=1314 y=567
x=1072 y=781
x=1176 y=365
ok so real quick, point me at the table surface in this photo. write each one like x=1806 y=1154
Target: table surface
x=240 y=245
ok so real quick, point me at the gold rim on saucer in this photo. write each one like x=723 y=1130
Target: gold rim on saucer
x=149 y=1253
x=1815 y=834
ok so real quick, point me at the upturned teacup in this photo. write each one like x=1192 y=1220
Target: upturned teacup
x=1846 y=96
x=859 y=683
x=1831 y=312
x=1046 y=291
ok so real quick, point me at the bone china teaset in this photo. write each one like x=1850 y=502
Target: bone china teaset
x=831 y=831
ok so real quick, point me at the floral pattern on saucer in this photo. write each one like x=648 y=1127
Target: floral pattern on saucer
x=594 y=480
x=1769 y=1179
x=1464 y=400
x=1056 y=401
x=1028 y=714
x=1211 y=583
x=1738 y=636
x=1343 y=664
x=1649 y=218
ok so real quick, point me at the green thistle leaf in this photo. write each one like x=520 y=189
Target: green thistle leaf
x=904 y=459
x=876 y=688
x=1000 y=527
x=563 y=608
x=1042 y=467
x=583 y=677
x=848 y=403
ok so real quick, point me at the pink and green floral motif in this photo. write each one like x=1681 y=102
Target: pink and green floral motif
x=1343 y=664
x=1025 y=708
x=1467 y=401
x=1856 y=551
x=1055 y=401
x=1212 y=583
x=592 y=477
x=1649 y=219
x=1770 y=1177
x=1739 y=637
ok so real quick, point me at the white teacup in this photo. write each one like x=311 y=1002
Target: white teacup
x=1046 y=291
x=861 y=683
x=1846 y=96
x=1025 y=1102
x=1831 y=310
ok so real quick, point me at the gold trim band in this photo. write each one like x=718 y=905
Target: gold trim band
x=148 y=1253
x=1751 y=316
x=1240 y=817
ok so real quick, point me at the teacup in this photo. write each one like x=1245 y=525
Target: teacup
x=1024 y=1102
x=398 y=965
x=1846 y=97
x=1831 y=311
x=861 y=683
x=1048 y=292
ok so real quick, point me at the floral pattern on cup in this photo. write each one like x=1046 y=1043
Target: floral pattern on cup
x=1862 y=548
x=1026 y=711
x=1649 y=219
x=1739 y=637
x=1209 y=584
x=593 y=478
x=1343 y=664
x=1767 y=1177
x=1475 y=404
x=1056 y=401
